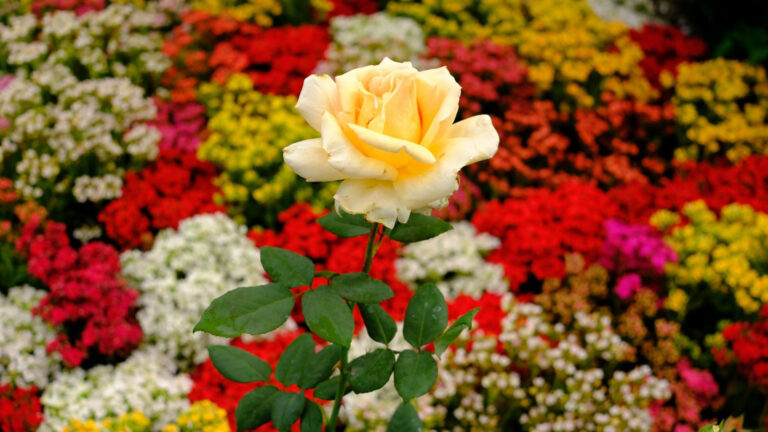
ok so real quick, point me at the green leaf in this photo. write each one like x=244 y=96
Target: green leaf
x=381 y=327
x=415 y=374
x=320 y=367
x=328 y=316
x=419 y=227
x=361 y=288
x=345 y=225
x=252 y=310
x=295 y=359
x=446 y=339
x=311 y=418
x=371 y=371
x=326 y=390
x=238 y=365
x=325 y=274
x=286 y=409
x=426 y=316
x=286 y=267
x=405 y=419
x=254 y=408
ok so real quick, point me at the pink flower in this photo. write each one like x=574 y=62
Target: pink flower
x=628 y=284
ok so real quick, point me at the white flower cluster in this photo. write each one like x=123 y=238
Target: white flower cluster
x=454 y=262
x=633 y=13
x=119 y=41
x=185 y=270
x=554 y=376
x=93 y=124
x=148 y=382
x=23 y=336
x=362 y=40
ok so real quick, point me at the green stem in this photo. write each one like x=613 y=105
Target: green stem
x=369 y=254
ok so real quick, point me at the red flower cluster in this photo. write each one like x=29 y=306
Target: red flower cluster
x=182 y=125
x=40 y=7
x=302 y=234
x=492 y=79
x=209 y=384
x=538 y=228
x=92 y=307
x=695 y=393
x=174 y=187
x=20 y=409
x=665 y=47
x=748 y=343
x=462 y=203
x=618 y=142
x=276 y=59
x=488 y=318
x=352 y=7
x=718 y=185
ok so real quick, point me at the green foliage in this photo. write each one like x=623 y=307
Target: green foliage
x=238 y=365
x=361 y=288
x=464 y=322
x=286 y=267
x=345 y=225
x=328 y=316
x=252 y=310
x=320 y=366
x=426 y=316
x=311 y=418
x=419 y=227
x=254 y=409
x=371 y=371
x=405 y=419
x=286 y=409
x=381 y=327
x=415 y=374
x=294 y=360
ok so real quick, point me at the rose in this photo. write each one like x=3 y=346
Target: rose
x=388 y=132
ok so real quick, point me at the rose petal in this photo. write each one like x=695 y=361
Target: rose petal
x=393 y=145
x=309 y=160
x=438 y=97
x=318 y=95
x=374 y=198
x=346 y=158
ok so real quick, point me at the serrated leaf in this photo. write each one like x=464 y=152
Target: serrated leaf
x=311 y=418
x=371 y=371
x=320 y=367
x=380 y=326
x=361 y=288
x=415 y=374
x=419 y=227
x=405 y=419
x=255 y=407
x=426 y=316
x=251 y=310
x=326 y=390
x=286 y=409
x=328 y=316
x=345 y=225
x=238 y=365
x=286 y=267
x=446 y=339
x=295 y=359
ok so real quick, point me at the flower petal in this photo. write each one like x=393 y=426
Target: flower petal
x=393 y=145
x=317 y=96
x=309 y=160
x=347 y=158
x=467 y=141
x=438 y=97
x=374 y=198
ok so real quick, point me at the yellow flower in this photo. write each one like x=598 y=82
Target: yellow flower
x=388 y=131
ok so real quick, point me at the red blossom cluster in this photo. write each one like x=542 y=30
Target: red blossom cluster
x=664 y=48
x=206 y=47
x=694 y=393
x=182 y=125
x=174 y=187
x=353 y=7
x=462 y=203
x=40 y=7
x=302 y=234
x=540 y=226
x=489 y=317
x=20 y=409
x=91 y=306
x=209 y=384
x=718 y=185
x=747 y=347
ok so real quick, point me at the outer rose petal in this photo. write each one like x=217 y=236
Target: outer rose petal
x=393 y=145
x=317 y=96
x=438 y=96
x=346 y=158
x=467 y=141
x=374 y=198
x=308 y=159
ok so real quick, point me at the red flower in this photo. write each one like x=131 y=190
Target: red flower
x=20 y=409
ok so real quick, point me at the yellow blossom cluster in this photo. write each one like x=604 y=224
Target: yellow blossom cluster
x=724 y=260
x=572 y=55
x=260 y=12
x=248 y=131
x=721 y=106
x=130 y=422
x=203 y=416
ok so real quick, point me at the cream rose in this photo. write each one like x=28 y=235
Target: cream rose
x=388 y=132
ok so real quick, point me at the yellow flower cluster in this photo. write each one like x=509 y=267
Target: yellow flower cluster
x=261 y=12
x=727 y=257
x=248 y=131
x=203 y=416
x=131 y=422
x=563 y=42
x=722 y=106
